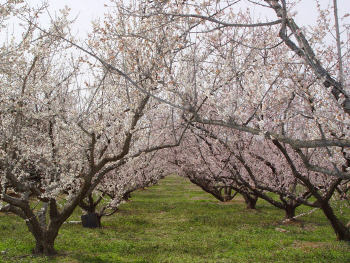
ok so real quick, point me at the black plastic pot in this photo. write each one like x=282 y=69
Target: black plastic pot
x=91 y=220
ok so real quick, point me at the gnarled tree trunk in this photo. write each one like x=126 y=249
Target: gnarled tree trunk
x=44 y=244
x=250 y=200
x=45 y=236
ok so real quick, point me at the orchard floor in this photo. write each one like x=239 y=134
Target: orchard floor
x=175 y=221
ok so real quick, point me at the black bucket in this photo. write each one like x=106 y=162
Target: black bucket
x=91 y=220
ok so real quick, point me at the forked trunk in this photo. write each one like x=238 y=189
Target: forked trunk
x=44 y=234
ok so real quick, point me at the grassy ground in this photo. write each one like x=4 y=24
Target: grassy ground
x=176 y=221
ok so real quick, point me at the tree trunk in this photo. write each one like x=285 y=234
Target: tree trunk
x=126 y=196
x=341 y=231
x=250 y=200
x=290 y=212
x=207 y=187
x=44 y=243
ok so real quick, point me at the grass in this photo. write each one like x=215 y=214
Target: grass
x=175 y=221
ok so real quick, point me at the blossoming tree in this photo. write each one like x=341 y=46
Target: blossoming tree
x=62 y=135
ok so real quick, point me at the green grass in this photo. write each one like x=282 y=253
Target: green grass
x=175 y=221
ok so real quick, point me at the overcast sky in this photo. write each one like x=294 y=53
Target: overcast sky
x=86 y=10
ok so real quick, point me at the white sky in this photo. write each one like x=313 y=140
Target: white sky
x=86 y=10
